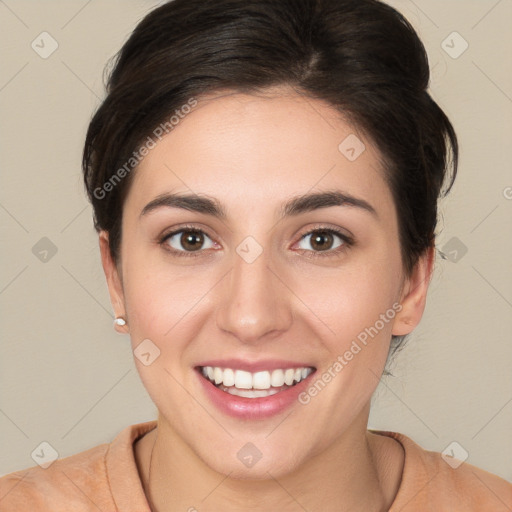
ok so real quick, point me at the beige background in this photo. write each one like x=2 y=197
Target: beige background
x=68 y=379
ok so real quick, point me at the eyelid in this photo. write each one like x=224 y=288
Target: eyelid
x=347 y=240
x=343 y=233
x=186 y=227
x=162 y=239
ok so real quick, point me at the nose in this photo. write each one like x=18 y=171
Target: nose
x=254 y=301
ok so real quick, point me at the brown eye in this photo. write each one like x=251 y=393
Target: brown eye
x=192 y=241
x=322 y=240
x=187 y=240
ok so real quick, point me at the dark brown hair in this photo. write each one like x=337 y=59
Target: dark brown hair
x=360 y=56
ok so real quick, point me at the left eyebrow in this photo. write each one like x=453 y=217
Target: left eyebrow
x=294 y=206
x=310 y=202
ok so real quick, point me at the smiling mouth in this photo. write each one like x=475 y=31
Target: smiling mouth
x=254 y=385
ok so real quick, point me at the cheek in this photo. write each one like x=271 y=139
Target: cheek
x=161 y=308
x=158 y=301
x=359 y=307
x=166 y=303
x=166 y=300
x=356 y=304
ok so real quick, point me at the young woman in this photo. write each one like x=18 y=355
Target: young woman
x=264 y=177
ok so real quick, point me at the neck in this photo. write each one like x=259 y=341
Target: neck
x=360 y=471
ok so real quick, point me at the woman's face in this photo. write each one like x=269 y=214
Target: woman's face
x=255 y=290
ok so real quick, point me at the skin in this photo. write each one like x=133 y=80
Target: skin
x=252 y=153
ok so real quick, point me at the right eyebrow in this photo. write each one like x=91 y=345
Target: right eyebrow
x=190 y=202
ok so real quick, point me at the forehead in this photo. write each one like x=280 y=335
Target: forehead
x=259 y=149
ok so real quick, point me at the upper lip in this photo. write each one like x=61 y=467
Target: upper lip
x=254 y=366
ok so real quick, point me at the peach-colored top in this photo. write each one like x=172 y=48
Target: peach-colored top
x=105 y=478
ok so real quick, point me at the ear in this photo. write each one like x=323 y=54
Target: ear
x=115 y=287
x=414 y=294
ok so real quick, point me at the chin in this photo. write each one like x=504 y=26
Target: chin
x=253 y=457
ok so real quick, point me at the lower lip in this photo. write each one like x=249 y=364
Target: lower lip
x=252 y=408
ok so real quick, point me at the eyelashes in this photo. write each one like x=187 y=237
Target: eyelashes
x=184 y=229
x=195 y=234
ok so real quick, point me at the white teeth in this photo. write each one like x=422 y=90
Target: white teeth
x=253 y=383
x=277 y=378
x=288 y=376
x=261 y=380
x=229 y=377
x=252 y=393
x=243 y=380
x=218 y=375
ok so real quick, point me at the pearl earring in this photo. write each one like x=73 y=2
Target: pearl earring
x=120 y=321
